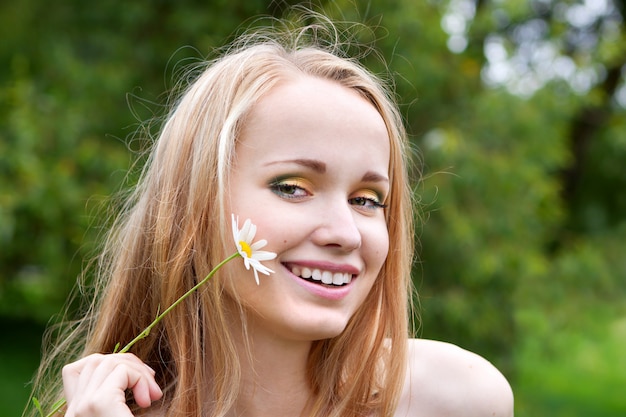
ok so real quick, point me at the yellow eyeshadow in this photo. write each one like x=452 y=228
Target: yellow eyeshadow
x=292 y=181
x=370 y=194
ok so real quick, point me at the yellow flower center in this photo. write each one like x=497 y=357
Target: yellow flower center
x=246 y=248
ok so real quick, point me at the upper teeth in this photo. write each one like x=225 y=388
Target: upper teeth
x=327 y=277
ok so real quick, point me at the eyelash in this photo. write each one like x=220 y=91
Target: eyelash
x=287 y=189
x=374 y=202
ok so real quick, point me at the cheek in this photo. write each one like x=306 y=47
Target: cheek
x=380 y=247
x=278 y=226
x=239 y=284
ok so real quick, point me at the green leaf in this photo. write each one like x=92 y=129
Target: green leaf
x=38 y=406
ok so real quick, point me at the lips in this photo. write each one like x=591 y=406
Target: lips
x=321 y=276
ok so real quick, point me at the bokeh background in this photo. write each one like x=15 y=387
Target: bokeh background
x=517 y=108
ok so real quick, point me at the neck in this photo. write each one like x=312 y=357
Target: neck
x=274 y=375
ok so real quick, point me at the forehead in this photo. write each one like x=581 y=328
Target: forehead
x=313 y=112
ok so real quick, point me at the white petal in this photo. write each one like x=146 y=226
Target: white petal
x=263 y=255
x=246 y=261
x=260 y=267
x=258 y=245
x=249 y=232
x=243 y=232
x=234 y=226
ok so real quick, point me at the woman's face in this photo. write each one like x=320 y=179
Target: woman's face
x=311 y=172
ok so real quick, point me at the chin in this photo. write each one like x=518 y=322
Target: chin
x=325 y=330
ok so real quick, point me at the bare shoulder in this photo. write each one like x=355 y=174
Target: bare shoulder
x=443 y=379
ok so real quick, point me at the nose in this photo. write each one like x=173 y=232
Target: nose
x=338 y=228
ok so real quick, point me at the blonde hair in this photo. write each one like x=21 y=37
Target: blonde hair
x=174 y=229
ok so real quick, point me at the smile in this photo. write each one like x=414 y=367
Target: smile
x=322 y=276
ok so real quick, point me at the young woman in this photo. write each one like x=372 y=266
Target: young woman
x=310 y=147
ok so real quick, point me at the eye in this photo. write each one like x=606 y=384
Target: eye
x=292 y=188
x=368 y=201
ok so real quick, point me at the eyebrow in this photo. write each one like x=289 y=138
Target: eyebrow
x=371 y=176
x=320 y=168
x=313 y=164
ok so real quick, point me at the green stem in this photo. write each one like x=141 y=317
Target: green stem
x=58 y=405
x=147 y=330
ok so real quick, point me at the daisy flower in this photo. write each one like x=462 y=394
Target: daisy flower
x=249 y=251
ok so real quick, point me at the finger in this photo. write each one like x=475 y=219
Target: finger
x=88 y=396
x=144 y=388
x=154 y=390
x=97 y=385
x=126 y=371
x=71 y=373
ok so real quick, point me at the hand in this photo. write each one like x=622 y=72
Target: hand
x=96 y=385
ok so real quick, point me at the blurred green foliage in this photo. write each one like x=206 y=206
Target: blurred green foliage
x=523 y=185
